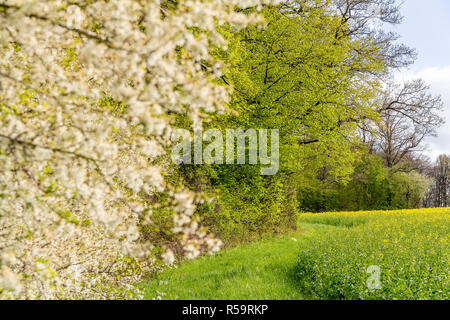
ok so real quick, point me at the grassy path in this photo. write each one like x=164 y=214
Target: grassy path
x=261 y=270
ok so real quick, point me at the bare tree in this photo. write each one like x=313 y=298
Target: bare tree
x=363 y=19
x=408 y=114
x=439 y=193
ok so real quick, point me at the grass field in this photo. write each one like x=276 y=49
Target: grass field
x=347 y=255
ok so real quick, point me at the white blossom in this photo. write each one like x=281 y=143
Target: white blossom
x=86 y=89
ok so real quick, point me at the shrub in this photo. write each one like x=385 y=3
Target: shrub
x=244 y=205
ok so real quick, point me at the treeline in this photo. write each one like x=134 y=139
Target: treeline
x=374 y=186
x=350 y=136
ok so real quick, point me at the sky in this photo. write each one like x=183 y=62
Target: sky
x=426 y=27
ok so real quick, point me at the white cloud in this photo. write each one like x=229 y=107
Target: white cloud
x=439 y=80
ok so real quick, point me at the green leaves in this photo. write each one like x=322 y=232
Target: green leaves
x=297 y=76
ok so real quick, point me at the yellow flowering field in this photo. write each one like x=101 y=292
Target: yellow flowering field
x=377 y=255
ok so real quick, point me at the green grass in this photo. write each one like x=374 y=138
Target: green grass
x=261 y=270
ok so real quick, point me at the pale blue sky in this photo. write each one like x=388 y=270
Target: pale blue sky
x=426 y=27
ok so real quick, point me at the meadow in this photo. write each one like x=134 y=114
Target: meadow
x=344 y=255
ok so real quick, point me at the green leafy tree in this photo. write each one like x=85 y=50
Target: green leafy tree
x=306 y=75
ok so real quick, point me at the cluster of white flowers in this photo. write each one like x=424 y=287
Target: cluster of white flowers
x=86 y=88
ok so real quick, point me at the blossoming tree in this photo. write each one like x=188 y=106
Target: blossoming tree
x=86 y=92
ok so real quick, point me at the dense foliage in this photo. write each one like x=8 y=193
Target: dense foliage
x=313 y=73
x=372 y=186
x=304 y=75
